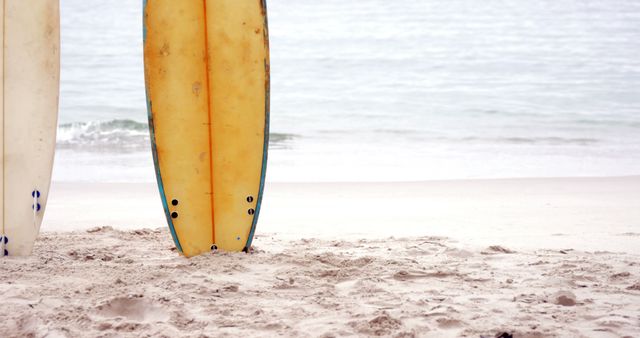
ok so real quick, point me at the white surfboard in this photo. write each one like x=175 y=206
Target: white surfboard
x=28 y=117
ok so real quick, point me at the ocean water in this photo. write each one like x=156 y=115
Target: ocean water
x=386 y=90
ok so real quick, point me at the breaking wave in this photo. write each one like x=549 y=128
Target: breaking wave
x=123 y=134
x=104 y=134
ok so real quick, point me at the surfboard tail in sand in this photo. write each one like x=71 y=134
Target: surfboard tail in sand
x=207 y=80
x=29 y=116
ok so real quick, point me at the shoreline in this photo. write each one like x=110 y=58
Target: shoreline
x=592 y=214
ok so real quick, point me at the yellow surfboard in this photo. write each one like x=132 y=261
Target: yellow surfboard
x=207 y=80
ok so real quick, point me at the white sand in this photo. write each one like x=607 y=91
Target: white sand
x=112 y=283
x=532 y=257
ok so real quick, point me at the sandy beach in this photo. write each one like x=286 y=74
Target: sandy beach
x=477 y=258
x=110 y=283
x=430 y=168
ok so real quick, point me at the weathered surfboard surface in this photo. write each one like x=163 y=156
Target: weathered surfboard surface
x=207 y=80
x=29 y=116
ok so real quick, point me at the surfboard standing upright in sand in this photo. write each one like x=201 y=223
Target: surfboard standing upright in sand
x=207 y=80
x=29 y=116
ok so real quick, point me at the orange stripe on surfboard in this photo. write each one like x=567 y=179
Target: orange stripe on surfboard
x=206 y=50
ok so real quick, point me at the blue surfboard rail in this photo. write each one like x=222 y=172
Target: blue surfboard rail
x=267 y=113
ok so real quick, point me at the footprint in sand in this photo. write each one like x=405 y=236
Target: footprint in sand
x=134 y=309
